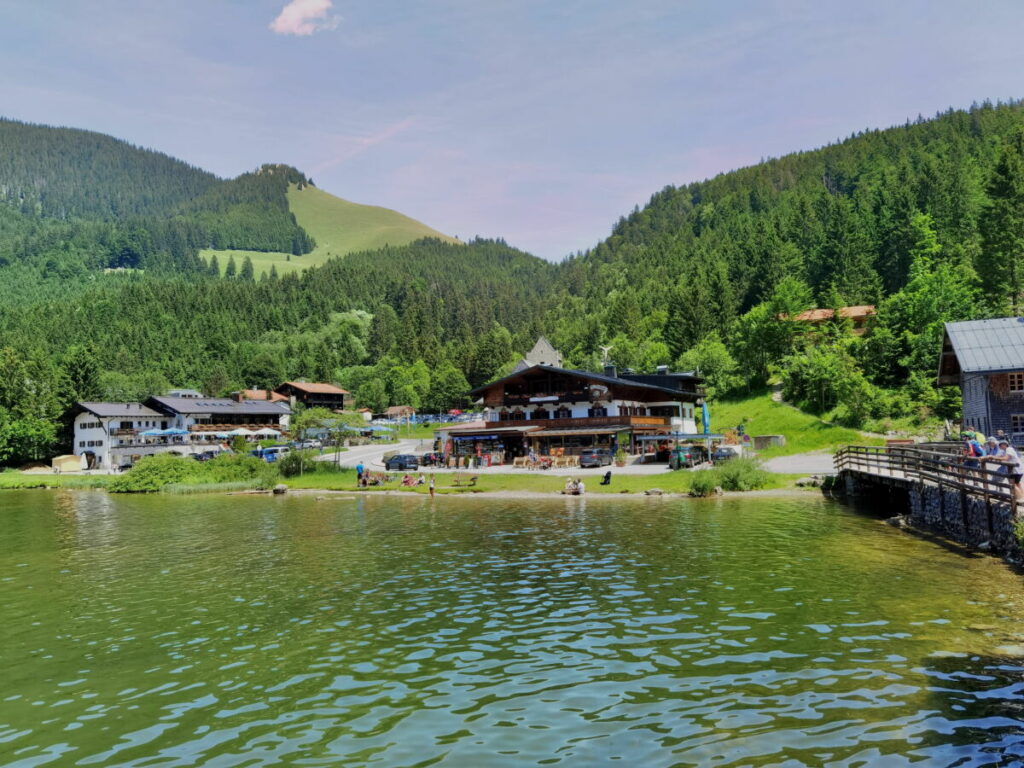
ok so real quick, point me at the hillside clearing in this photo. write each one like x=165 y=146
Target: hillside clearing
x=339 y=227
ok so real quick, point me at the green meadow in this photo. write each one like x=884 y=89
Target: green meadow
x=339 y=227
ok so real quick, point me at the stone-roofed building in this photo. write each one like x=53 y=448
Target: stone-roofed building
x=986 y=359
x=316 y=394
x=543 y=353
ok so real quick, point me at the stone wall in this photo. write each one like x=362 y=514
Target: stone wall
x=962 y=517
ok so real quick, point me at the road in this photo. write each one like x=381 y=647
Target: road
x=813 y=463
x=372 y=456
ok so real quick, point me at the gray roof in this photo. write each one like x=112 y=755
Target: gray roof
x=107 y=410
x=220 y=405
x=984 y=346
x=611 y=380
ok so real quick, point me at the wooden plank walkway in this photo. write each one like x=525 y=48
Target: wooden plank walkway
x=939 y=464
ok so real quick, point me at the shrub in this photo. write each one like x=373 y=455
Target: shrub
x=703 y=482
x=152 y=473
x=742 y=475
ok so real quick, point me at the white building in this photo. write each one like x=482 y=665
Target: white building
x=110 y=434
x=119 y=434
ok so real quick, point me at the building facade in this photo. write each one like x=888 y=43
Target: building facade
x=985 y=358
x=316 y=395
x=549 y=410
x=110 y=435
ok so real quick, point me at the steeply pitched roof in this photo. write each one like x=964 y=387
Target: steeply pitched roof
x=107 y=410
x=261 y=394
x=988 y=346
x=220 y=406
x=316 y=388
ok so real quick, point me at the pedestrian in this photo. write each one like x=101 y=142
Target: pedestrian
x=1014 y=466
x=431 y=486
x=359 y=472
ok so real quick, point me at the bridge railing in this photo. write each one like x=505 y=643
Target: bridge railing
x=934 y=463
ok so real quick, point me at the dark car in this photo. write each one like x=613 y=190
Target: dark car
x=685 y=456
x=402 y=462
x=596 y=457
x=725 y=453
x=432 y=459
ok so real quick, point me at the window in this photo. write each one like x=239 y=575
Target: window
x=1017 y=381
x=563 y=413
x=81 y=443
x=1017 y=423
x=597 y=412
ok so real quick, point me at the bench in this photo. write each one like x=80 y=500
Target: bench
x=460 y=481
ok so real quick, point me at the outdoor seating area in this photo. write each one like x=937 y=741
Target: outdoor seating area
x=546 y=462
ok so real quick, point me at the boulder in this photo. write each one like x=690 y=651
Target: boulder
x=280 y=488
x=654 y=492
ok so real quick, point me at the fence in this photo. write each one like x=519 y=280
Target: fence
x=940 y=464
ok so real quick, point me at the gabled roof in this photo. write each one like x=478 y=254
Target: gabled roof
x=854 y=313
x=219 y=405
x=107 y=410
x=316 y=388
x=988 y=346
x=262 y=394
x=590 y=376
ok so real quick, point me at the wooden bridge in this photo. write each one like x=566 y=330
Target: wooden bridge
x=928 y=464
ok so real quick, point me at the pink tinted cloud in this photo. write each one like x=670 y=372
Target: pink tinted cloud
x=304 y=17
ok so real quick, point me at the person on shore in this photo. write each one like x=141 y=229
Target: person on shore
x=992 y=447
x=359 y=472
x=431 y=486
x=972 y=453
x=580 y=487
x=421 y=479
x=1014 y=467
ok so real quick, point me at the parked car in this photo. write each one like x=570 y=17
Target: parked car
x=596 y=457
x=305 y=445
x=205 y=455
x=726 y=452
x=272 y=454
x=402 y=462
x=432 y=459
x=686 y=456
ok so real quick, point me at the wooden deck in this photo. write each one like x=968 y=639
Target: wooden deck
x=936 y=464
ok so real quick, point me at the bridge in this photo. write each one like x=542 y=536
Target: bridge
x=936 y=464
x=936 y=488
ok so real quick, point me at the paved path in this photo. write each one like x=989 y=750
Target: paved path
x=813 y=463
x=373 y=455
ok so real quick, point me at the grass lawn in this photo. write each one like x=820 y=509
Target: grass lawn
x=17 y=480
x=539 y=482
x=339 y=227
x=803 y=431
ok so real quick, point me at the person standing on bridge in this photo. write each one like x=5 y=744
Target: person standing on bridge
x=1014 y=466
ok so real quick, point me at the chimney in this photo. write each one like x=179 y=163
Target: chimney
x=238 y=396
x=662 y=370
x=609 y=370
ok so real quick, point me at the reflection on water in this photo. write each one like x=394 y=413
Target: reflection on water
x=281 y=631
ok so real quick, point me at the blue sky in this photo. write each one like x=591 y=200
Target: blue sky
x=539 y=122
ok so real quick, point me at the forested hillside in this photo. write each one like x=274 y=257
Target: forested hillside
x=926 y=220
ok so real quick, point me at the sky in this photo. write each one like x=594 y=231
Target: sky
x=540 y=122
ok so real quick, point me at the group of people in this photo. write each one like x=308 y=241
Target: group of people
x=998 y=449
x=574 y=487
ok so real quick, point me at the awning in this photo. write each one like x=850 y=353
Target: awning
x=580 y=431
x=491 y=430
x=681 y=436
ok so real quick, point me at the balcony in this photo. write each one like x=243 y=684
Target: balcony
x=575 y=396
x=123 y=432
x=587 y=421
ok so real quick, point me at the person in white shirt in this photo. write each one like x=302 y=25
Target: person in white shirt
x=1014 y=466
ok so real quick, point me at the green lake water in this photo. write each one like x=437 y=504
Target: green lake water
x=258 y=631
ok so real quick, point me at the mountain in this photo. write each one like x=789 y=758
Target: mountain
x=925 y=220
x=338 y=227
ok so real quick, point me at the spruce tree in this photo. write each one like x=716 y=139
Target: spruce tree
x=1002 y=229
x=231 y=270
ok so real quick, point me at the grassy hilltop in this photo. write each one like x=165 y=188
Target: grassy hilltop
x=339 y=227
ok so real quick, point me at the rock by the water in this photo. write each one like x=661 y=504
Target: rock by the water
x=654 y=492
x=280 y=488
x=809 y=482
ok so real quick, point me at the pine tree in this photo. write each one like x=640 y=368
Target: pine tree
x=247 y=272
x=1002 y=229
x=231 y=270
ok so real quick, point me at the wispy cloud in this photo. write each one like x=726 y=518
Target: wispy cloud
x=304 y=17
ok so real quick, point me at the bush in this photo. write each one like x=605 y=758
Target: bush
x=155 y=473
x=152 y=473
x=703 y=482
x=742 y=475
x=733 y=475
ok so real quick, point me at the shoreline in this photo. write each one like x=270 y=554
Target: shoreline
x=765 y=492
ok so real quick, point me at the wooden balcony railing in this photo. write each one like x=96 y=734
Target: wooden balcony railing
x=587 y=421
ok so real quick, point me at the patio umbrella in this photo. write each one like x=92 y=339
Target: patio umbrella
x=241 y=431
x=705 y=416
x=268 y=432
x=151 y=433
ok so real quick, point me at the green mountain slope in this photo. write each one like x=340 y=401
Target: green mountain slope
x=338 y=227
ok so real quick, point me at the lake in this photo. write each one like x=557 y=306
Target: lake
x=272 y=631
